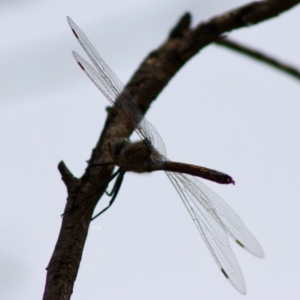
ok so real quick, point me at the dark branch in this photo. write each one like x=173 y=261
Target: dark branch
x=146 y=84
x=262 y=57
x=67 y=177
x=244 y=16
x=182 y=27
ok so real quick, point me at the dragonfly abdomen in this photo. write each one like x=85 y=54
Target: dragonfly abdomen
x=193 y=170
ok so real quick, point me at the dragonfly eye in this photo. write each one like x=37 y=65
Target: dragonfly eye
x=116 y=147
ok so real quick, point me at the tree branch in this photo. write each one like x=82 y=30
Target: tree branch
x=262 y=57
x=148 y=81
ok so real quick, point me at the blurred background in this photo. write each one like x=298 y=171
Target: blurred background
x=222 y=110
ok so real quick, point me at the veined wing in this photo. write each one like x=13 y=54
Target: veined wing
x=232 y=222
x=210 y=226
x=113 y=89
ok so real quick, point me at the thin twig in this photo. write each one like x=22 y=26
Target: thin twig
x=262 y=57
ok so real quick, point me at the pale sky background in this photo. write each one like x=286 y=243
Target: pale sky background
x=222 y=111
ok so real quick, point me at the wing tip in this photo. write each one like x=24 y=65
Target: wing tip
x=257 y=250
x=241 y=288
x=72 y=26
x=70 y=21
x=260 y=253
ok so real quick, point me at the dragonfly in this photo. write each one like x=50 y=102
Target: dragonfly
x=213 y=217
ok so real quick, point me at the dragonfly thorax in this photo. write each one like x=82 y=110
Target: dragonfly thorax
x=133 y=156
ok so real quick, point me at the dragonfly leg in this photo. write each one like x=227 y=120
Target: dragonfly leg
x=114 y=187
x=114 y=192
x=110 y=179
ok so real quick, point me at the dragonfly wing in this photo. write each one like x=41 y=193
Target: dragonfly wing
x=113 y=89
x=232 y=222
x=210 y=227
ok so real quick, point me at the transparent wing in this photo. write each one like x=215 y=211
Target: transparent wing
x=210 y=227
x=232 y=222
x=113 y=89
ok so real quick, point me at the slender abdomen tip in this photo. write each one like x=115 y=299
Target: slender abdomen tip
x=229 y=180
